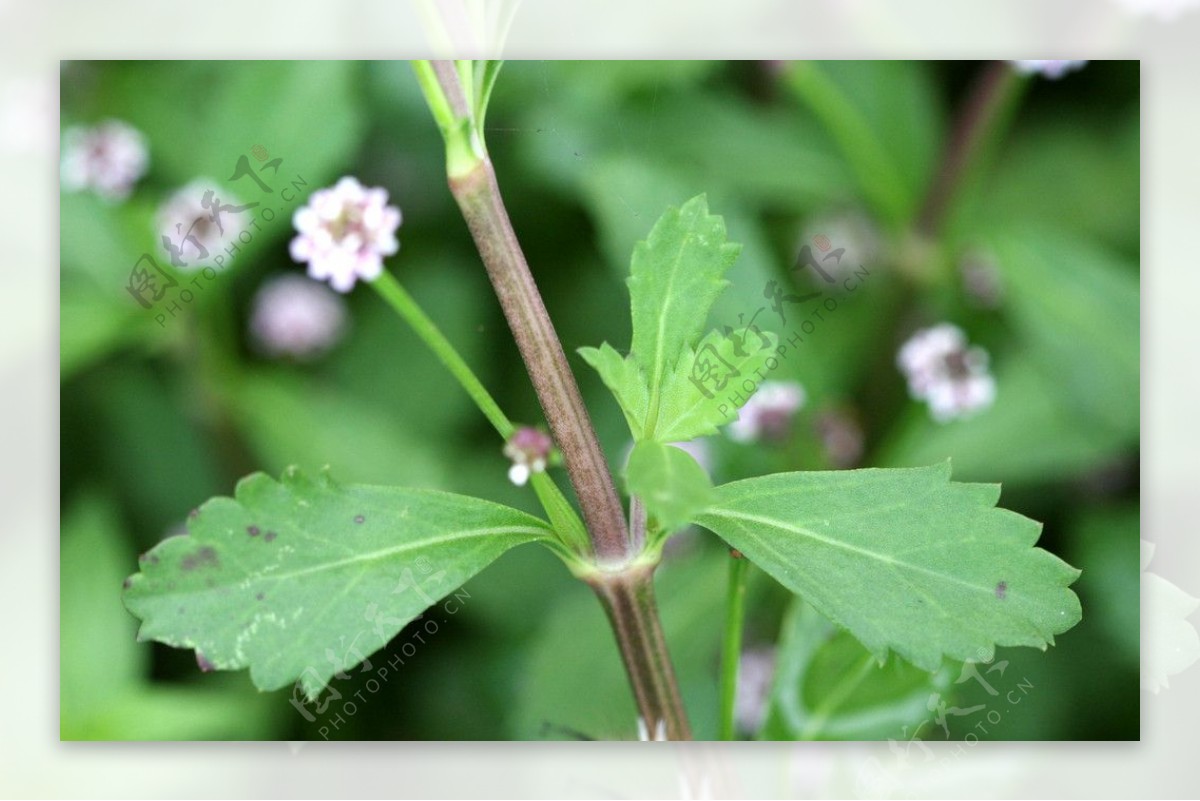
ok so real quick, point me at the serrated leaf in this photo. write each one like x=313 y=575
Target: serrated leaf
x=827 y=686
x=676 y=275
x=623 y=378
x=711 y=382
x=670 y=483
x=904 y=559
x=301 y=579
x=704 y=389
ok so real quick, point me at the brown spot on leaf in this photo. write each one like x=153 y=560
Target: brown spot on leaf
x=1002 y=590
x=259 y=596
x=205 y=557
x=253 y=531
x=194 y=514
x=271 y=535
x=127 y=583
x=359 y=518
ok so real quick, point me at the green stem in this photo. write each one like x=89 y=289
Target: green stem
x=558 y=508
x=399 y=299
x=732 y=650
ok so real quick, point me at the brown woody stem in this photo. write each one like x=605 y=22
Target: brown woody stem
x=628 y=599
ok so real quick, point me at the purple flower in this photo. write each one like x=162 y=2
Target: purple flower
x=108 y=159
x=945 y=373
x=529 y=448
x=345 y=232
x=296 y=317
x=768 y=414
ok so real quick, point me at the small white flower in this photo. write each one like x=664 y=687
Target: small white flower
x=1047 y=69
x=529 y=449
x=108 y=158
x=199 y=223
x=851 y=232
x=945 y=373
x=768 y=414
x=345 y=232
x=296 y=317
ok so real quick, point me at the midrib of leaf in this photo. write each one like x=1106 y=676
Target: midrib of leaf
x=370 y=556
x=658 y=375
x=882 y=557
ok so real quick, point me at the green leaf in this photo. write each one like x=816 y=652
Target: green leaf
x=105 y=691
x=904 y=559
x=677 y=273
x=301 y=579
x=624 y=379
x=671 y=485
x=827 y=686
x=703 y=390
x=711 y=382
x=1076 y=306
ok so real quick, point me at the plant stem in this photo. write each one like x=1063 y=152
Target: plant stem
x=732 y=650
x=980 y=123
x=623 y=583
x=399 y=299
x=478 y=196
x=628 y=599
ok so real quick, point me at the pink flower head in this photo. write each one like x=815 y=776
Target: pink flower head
x=108 y=159
x=345 y=232
x=947 y=374
x=296 y=317
x=768 y=414
x=529 y=449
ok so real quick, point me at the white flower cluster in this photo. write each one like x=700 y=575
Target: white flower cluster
x=197 y=223
x=1047 y=69
x=946 y=373
x=296 y=317
x=768 y=414
x=108 y=159
x=344 y=233
x=529 y=449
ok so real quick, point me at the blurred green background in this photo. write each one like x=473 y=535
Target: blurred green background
x=157 y=418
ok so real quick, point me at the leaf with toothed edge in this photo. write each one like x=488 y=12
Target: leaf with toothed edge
x=905 y=559
x=675 y=385
x=302 y=579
